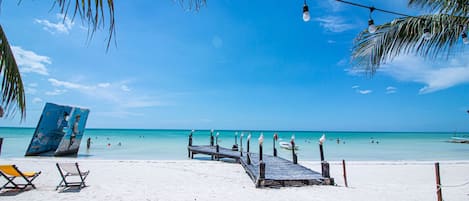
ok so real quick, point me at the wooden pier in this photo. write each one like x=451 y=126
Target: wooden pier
x=271 y=172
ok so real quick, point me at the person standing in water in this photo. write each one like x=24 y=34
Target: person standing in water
x=75 y=131
x=88 y=143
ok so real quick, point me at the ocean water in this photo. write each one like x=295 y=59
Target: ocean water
x=172 y=144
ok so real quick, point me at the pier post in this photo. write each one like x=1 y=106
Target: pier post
x=294 y=156
x=241 y=143
x=324 y=164
x=261 y=178
x=190 y=144
x=218 y=152
x=438 y=182
x=345 y=173
x=1 y=142
x=275 y=140
x=321 y=152
x=261 y=140
x=248 y=155
x=211 y=137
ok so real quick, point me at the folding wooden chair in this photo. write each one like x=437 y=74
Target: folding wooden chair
x=71 y=170
x=10 y=172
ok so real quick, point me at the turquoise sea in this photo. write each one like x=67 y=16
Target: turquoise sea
x=171 y=144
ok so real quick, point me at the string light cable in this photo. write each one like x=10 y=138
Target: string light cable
x=427 y=35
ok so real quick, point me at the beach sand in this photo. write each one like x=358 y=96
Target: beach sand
x=214 y=180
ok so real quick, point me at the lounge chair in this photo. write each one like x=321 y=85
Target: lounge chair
x=10 y=172
x=71 y=170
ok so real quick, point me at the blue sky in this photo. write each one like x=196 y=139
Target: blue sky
x=233 y=65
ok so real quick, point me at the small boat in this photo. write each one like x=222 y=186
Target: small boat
x=287 y=145
x=460 y=139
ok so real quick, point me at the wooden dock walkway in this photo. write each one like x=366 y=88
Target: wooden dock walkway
x=278 y=171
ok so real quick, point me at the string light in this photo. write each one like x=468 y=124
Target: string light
x=465 y=40
x=306 y=16
x=427 y=35
x=371 y=22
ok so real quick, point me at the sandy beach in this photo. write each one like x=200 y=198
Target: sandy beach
x=212 y=180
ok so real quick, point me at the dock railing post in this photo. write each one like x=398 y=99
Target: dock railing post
x=261 y=140
x=275 y=140
x=190 y=144
x=241 y=144
x=345 y=173
x=294 y=156
x=211 y=137
x=217 y=147
x=1 y=142
x=248 y=155
x=261 y=178
x=438 y=182
x=324 y=164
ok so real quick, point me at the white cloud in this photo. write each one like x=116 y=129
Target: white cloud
x=364 y=91
x=355 y=87
x=104 y=85
x=69 y=85
x=334 y=5
x=108 y=92
x=125 y=88
x=334 y=23
x=37 y=100
x=30 y=62
x=30 y=90
x=391 y=90
x=56 y=92
x=434 y=75
x=331 y=41
x=64 y=25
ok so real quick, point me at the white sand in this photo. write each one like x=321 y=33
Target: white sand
x=212 y=180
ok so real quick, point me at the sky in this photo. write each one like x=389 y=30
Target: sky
x=235 y=64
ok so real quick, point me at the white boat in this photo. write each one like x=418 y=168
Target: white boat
x=460 y=139
x=287 y=145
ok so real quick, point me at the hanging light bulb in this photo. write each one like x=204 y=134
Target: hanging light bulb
x=306 y=16
x=465 y=40
x=371 y=22
x=426 y=34
x=371 y=26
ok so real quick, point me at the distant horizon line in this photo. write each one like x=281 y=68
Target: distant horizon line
x=260 y=130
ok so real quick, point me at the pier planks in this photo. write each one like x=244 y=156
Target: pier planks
x=278 y=171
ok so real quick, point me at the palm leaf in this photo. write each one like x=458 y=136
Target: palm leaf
x=91 y=12
x=12 y=90
x=451 y=7
x=404 y=36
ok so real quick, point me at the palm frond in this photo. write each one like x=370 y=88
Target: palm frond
x=404 y=36
x=451 y=7
x=192 y=4
x=91 y=12
x=12 y=90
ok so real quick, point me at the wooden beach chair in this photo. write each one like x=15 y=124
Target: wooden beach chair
x=71 y=170
x=10 y=172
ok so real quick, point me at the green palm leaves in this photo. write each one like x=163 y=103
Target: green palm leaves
x=404 y=35
x=12 y=90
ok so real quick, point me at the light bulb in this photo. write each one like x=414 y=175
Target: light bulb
x=465 y=40
x=426 y=34
x=371 y=26
x=306 y=16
